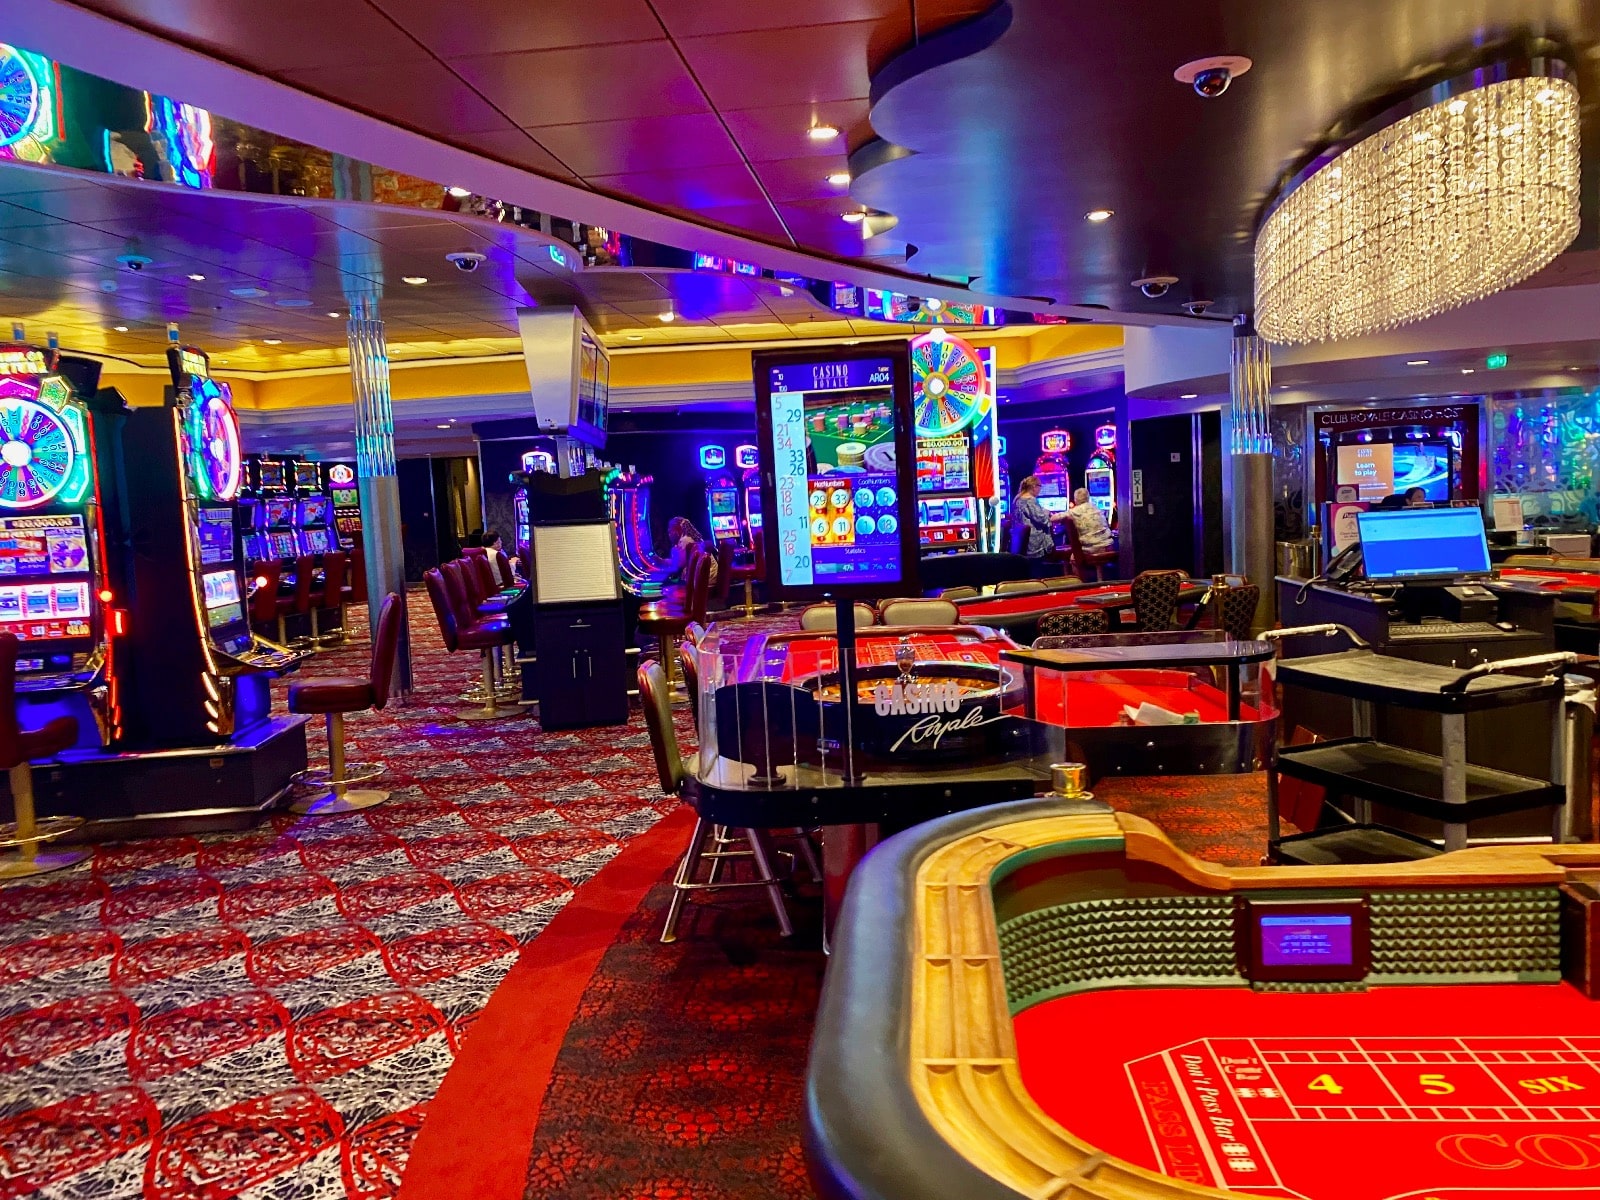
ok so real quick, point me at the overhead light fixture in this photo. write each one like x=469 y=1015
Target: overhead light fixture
x=1190 y=396
x=1416 y=362
x=785 y=290
x=120 y=328
x=1098 y=214
x=822 y=133
x=444 y=427
x=636 y=337
x=414 y=280
x=333 y=314
x=1466 y=370
x=272 y=341
x=667 y=317
x=854 y=218
x=1369 y=236
x=460 y=193
x=840 y=179
x=198 y=278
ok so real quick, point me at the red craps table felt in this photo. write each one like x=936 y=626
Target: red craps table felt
x=1477 y=1092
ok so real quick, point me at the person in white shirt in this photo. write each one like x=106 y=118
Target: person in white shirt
x=1093 y=532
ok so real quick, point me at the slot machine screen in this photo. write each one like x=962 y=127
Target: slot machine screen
x=282 y=545
x=223 y=606
x=753 y=512
x=272 y=475
x=944 y=464
x=33 y=546
x=346 y=498
x=314 y=510
x=307 y=476
x=317 y=541
x=280 y=513
x=1053 y=496
x=838 y=471
x=216 y=536
x=43 y=612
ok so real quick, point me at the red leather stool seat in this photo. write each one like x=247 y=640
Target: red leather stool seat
x=45 y=741
x=331 y=693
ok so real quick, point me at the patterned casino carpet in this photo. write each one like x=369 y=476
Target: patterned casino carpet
x=268 y=1014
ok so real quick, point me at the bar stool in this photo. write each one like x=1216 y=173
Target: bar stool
x=25 y=833
x=490 y=597
x=484 y=636
x=673 y=773
x=334 y=696
x=465 y=589
x=329 y=597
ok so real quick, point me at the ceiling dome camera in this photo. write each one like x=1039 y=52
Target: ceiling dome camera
x=1210 y=77
x=1197 y=308
x=465 y=260
x=1155 y=286
x=1212 y=82
x=134 y=262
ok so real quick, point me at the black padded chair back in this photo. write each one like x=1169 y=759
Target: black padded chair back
x=1072 y=622
x=1155 y=599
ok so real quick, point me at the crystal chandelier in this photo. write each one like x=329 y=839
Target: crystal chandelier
x=1465 y=190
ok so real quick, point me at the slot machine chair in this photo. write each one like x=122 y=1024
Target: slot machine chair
x=484 y=635
x=655 y=695
x=335 y=695
x=748 y=573
x=490 y=598
x=305 y=572
x=822 y=618
x=267 y=606
x=668 y=622
x=466 y=584
x=18 y=749
x=328 y=596
x=1086 y=561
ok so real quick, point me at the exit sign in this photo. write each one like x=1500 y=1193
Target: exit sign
x=1495 y=361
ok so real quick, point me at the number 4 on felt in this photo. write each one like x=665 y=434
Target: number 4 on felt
x=1324 y=1083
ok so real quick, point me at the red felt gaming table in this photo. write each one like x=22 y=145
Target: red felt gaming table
x=1018 y=614
x=1049 y=999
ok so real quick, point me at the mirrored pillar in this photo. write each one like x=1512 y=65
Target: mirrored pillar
x=1251 y=549
x=375 y=473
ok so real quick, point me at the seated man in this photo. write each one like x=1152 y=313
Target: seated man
x=1093 y=532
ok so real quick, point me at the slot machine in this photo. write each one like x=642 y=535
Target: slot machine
x=1100 y=477
x=307 y=477
x=722 y=507
x=278 y=528
x=346 y=498
x=265 y=476
x=750 y=487
x=50 y=541
x=188 y=671
x=313 y=516
x=951 y=399
x=1055 y=482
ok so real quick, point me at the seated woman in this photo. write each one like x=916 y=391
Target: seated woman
x=682 y=537
x=1093 y=532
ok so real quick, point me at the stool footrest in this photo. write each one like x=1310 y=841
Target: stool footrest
x=46 y=829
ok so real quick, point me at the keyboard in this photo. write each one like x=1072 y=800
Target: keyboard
x=1399 y=632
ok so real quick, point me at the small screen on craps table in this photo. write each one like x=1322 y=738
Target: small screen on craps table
x=833 y=442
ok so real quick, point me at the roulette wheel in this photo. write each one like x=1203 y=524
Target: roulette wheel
x=948 y=384
x=215 y=458
x=37 y=452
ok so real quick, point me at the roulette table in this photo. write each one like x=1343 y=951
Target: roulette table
x=1018 y=615
x=1573 y=588
x=1059 y=1002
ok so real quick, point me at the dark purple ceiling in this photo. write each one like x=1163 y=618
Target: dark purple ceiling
x=1023 y=121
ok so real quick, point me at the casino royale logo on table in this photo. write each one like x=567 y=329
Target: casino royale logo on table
x=933 y=699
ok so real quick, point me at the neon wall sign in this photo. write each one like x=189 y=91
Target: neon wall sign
x=713 y=458
x=1055 y=441
x=746 y=457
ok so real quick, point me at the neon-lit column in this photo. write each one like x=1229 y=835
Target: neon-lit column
x=1250 y=549
x=375 y=472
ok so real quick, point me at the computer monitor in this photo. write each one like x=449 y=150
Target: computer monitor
x=1411 y=544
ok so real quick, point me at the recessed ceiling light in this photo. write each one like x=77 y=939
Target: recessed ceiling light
x=414 y=280
x=1190 y=396
x=854 y=218
x=1098 y=214
x=460 y=193
x=120 y=328
x=1574 y=368
x=667 y=317
x=785 y=291
x=333 y=314
x=1467 y=370
x=636 y=337
x=272 y=341
x=822 y=133
x=444 y=427
x=1416 y=362
x=247 y=293
x=198 y=278
x=840 y=179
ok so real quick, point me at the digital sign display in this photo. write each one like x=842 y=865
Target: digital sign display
x=222 y=598
x=307 y=476
x=216 y=536
x=1369 y=466
x=944 y=464
x=835 y=439
x=346 y=498
x=1307 y=940
x=280 y=513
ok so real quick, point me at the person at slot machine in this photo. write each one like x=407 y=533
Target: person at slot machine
x=682 y=536
x=492 y=542
x=1033 y=517
x=1093 y=532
